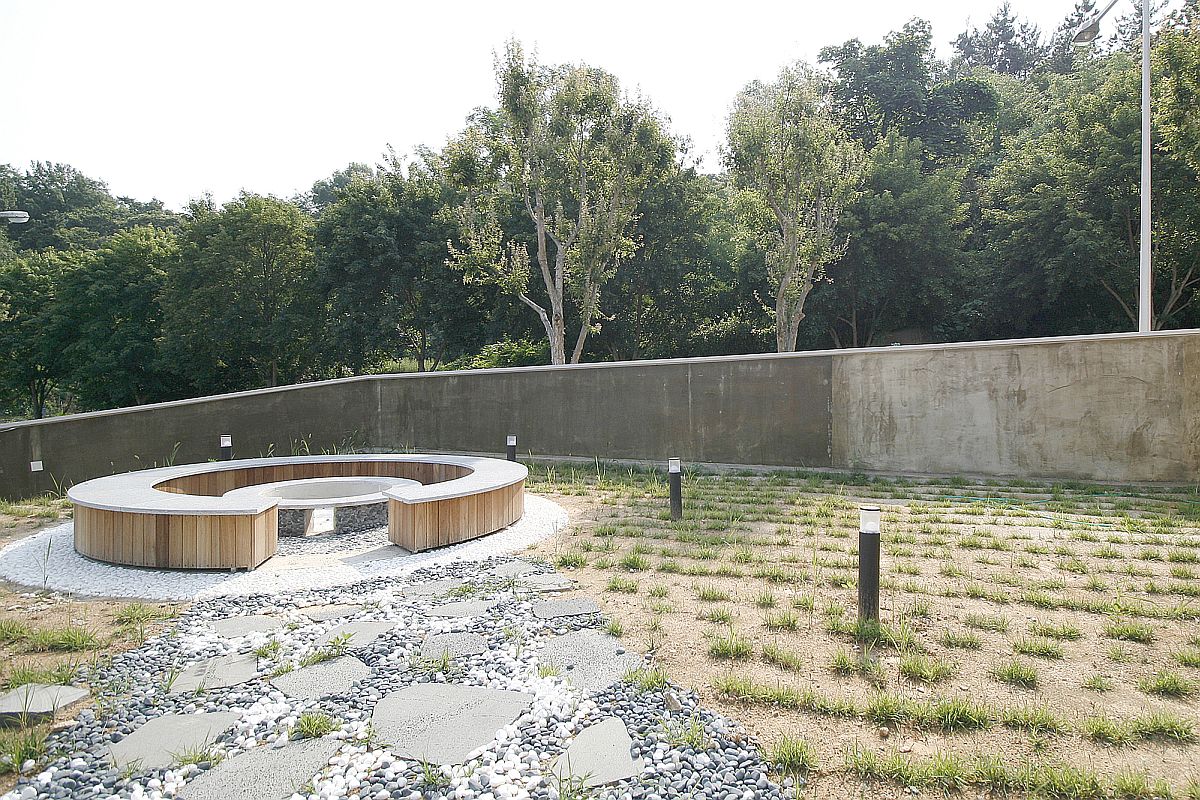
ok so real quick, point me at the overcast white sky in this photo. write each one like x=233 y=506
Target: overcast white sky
x=171 y=99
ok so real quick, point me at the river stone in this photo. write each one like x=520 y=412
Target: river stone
x=454 y=644
x=264 y=773
x=443 y=722
x=232 y=627
x=217 y=672
x=330 y=611
x=335 y=676
x=34 y=702
x=462 y=608
x=588 y=659
x=361 y=634
x=599 y=755
x=162 y=741
x=432 y=588
x=567 y=607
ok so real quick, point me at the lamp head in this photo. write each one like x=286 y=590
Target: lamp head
x=14 y=217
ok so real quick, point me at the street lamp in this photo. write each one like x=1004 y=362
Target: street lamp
x=14 y=217
x=1086 y=34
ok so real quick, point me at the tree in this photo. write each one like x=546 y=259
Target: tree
x=576 y=155
x=240 y=305
x=893 y=86
x=1178 y=51
x=785 y=145
x=904 y=264
x=113 y=320
x=31 y=348
x=381 y=259
x=1006 y=45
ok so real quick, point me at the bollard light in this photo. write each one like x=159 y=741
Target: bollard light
x=675 y=479
x=226 y=447
x=868 y=563
x=510 y=447
x=35 y=466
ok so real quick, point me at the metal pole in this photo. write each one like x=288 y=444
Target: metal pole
x=510 y=447
x=1145 y=306
x=226 y=447
x=675 y=478
x=868 y=563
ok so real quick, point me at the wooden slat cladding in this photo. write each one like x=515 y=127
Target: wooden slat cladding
x=215 y=484
x=423 y=526
x=176 y=541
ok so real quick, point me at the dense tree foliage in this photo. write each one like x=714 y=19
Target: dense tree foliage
x=882 y=195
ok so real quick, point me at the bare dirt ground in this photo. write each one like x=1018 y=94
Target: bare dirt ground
x=1034 y=640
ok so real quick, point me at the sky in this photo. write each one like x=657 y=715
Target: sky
x=172 y=99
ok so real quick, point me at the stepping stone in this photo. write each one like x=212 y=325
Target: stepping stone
x=432 y=588
x=588 y=659
x=361 y=634
x=217 y=672
x=161 y=742
x=462 y=608
x=570 y=607
x=35 y=702
x=233 y=627
x=547 y=582
x=599 y=755
x=443 y=722
x=332 y=611
x=264 y=773
x=454 y=644
x=512 y=569
x=334 y=676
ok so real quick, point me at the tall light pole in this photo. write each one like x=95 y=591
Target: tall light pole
x=1086 y=34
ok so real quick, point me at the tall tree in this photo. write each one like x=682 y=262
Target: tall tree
x=1007 y=45
x=31 y=343
x=576 y=155
x=113 y=320
x=240 y=304
x=786 y=146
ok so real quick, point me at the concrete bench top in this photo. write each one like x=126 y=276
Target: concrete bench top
x=135 y=492
x=304 y=493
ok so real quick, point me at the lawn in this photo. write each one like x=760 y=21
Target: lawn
x=1034 y=639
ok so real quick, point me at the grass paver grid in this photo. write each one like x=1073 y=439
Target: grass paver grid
x=1014 y=616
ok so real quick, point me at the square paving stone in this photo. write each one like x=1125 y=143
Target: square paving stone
x=453 y=644
x=162 y=741
x=264 y=773
x=432 y=588
x=511 y=569
x=443 y=722
x=567 y=607
x=217 y=672
x=35 y=702
x=589 y=659
x=361 y=634
x=547 y=582
x=232 y=627
x=335 y=676
x=599 y=755
x=462 y=608
x=330 y=611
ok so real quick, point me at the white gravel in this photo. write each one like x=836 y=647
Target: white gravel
x=47 y=560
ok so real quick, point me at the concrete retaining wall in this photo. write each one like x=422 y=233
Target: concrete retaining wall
x=1120 y=407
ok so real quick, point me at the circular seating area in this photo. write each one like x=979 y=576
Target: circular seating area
x=226 y=514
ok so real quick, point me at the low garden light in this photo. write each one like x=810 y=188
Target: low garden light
x=675 y=478
x=868 y=563
x=226 y=447
x=510 y=447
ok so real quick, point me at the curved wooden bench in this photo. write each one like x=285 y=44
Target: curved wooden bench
x=179 y=518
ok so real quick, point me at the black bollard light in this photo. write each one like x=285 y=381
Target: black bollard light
x=868 y=563
x=226 y=447
x=675 y=477
x=510 y=447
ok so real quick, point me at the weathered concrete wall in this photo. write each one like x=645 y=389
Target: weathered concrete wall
x=1115 y=407
x=1121 y=408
